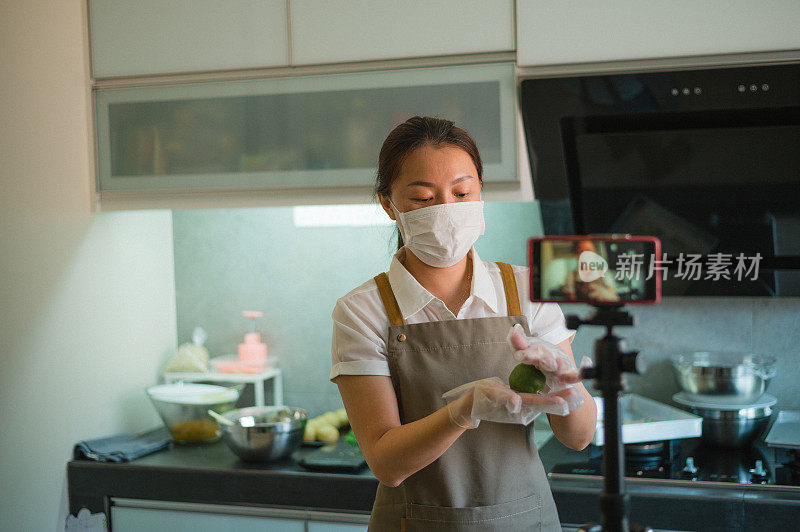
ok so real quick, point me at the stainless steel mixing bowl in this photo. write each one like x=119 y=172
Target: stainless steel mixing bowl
x=264 y=433
x=723 y=376
x=733 y=428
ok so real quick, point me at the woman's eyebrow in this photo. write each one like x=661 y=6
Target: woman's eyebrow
x=429 y=184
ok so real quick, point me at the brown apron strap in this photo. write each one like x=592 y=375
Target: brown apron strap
x=389 y=301
x=510 y=286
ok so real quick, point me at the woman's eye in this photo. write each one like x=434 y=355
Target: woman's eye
x=421 y=199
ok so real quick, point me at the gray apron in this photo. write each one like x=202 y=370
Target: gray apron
x=491 y=477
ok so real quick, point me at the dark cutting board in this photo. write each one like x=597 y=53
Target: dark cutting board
x=339 y=457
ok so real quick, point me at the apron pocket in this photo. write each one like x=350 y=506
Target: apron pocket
x=519 y=514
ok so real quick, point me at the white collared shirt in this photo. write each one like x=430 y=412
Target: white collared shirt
x=361 y=325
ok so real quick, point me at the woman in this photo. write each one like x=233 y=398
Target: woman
x=438 y=322
x=576 y=289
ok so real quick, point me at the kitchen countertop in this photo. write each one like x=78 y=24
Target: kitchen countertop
x=212 y=474
x=674 y=505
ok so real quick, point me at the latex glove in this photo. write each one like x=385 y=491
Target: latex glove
x=561 y=374
x=493 y=400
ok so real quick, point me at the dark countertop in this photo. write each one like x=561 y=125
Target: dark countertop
x=212 y=474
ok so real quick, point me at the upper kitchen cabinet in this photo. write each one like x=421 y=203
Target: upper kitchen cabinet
x=358 y=30
x=157 y=36
x=311 y=132
x=550 y=33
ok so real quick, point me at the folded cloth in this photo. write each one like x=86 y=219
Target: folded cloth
x=123 y=447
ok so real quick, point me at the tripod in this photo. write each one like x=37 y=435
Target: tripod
x=611 y=360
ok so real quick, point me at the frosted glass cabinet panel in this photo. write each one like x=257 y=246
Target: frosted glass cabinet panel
x=300 y=132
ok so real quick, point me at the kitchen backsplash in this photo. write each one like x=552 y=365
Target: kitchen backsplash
x=766 y=326
x=229 y=260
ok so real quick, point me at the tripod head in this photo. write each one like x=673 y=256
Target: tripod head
x=628 y=361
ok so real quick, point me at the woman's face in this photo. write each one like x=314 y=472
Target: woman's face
x=433 y=175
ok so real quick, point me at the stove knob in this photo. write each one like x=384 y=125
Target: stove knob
x=758 y=475
x=689 y=471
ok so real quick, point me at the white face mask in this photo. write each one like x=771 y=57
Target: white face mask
x=441 y=235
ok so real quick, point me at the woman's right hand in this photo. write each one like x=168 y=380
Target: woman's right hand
x=492 y=399
x=372 y=408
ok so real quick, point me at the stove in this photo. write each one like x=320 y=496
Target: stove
x=686 y=459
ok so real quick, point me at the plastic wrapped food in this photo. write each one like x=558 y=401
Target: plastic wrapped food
x=190 y=357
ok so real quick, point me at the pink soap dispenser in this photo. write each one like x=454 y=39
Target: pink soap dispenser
x=253 y=350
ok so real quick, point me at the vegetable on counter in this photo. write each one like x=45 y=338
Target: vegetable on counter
x=326 y=427
x=350 y=438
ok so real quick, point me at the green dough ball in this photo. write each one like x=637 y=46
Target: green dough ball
x=525 y=378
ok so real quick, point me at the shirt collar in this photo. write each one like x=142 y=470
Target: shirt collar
x=482 y=285
x=413 y=297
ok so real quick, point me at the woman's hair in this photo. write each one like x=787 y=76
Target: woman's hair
x=583 y=245
x=414 y=133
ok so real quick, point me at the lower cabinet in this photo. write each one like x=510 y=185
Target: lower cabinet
x=317 y=526
x=138 y=519
x=129 y=515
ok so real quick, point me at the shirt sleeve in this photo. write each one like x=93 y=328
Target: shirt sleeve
x=358 y=346
x=545 y=320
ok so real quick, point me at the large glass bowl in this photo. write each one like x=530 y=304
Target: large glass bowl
x=184 y=409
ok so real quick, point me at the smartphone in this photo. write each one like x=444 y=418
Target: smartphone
x=596 y=269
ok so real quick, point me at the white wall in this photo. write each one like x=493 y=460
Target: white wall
x=87 y=301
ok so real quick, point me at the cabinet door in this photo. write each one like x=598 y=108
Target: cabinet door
x=355 y=30
x=157 y=520
x=160 y=36
x=578 y=32
x=318 y=526
x=304 y=132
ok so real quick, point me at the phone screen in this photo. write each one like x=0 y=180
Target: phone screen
x=600 y=270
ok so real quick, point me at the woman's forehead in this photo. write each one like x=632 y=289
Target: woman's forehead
x=440 y=165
